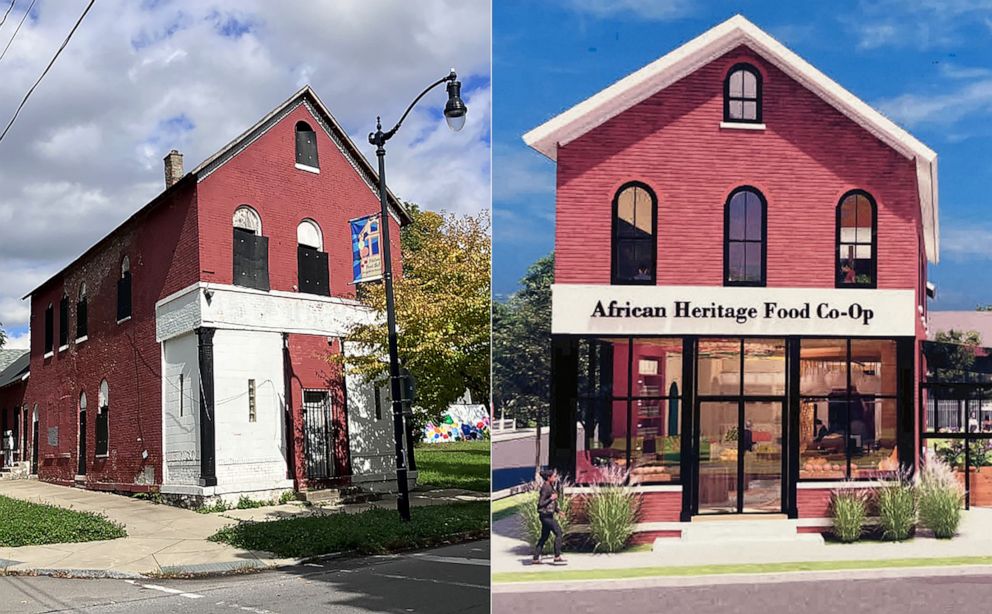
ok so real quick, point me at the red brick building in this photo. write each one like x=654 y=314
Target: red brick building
x=188 y=351
x=741 y=256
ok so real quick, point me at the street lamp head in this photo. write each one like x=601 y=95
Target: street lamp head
x=455 y=110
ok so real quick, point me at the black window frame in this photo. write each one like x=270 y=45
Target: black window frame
x=616 y=240
x=302 y=153
x=762 y=282
x=874 y=240
x=758 y=99
x=63 y=322
x=49 y=329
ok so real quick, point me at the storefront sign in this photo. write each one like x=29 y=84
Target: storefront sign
x=365 y=256
x=701 y=310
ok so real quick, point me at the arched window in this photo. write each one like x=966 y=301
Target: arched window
x=64 y=322
x=311 y=260
x=103 y=421
x=124 y=291
x=251 y=250
x=306 y=146
x=742 y=94
x=81 y=461
x=744 y=253
x=635 y=243
x=857 y=225
x=82 y=323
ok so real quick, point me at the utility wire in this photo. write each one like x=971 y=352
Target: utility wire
x=7 y=13
x=21 y=23
x=47 y=68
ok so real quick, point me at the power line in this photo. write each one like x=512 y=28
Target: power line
x=21 y=23
x=7 y=13
x=47 y=68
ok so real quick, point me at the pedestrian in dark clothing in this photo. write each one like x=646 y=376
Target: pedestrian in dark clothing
x=547 y=509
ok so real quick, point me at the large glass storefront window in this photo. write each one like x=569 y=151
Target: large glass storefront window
x=848 y=409
x=629 y=402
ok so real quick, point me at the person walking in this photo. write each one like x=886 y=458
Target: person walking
x=547 y=509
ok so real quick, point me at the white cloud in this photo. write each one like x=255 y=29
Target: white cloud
x=19 y=341
x=954 y=104
x=139 y=78
x=658 y=10
x=966 y=243
x=922 y=24
x=519 y=173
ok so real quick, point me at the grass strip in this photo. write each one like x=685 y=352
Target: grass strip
x=457 y=464
x=376 y=531
x=31 y=524
x=743 y=568
x=507 y=506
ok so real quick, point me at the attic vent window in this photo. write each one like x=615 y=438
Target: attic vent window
x=742 y=95
x=306 y=147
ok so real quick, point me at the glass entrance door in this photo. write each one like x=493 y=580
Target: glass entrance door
x=740 y=457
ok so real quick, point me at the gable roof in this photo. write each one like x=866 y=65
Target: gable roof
x=305 y=96
x=700 y=51
x=14 y=370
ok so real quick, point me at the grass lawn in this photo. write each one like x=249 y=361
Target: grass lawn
x=459 y=464
x=507 y=506
x=32 y=524
x=747 y=568
x=376 y=531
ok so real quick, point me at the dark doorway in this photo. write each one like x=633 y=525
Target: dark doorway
x=320 y=434
x=34 y=447
x=81 y=469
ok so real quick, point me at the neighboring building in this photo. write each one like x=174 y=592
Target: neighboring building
x=13 y=417
x=740 y=291
x=188 y=351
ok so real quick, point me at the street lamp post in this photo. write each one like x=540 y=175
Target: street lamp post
x=454 y=114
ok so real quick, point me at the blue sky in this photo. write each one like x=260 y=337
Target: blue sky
x=927 y=64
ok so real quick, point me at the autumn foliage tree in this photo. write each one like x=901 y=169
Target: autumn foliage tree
x=442 y=313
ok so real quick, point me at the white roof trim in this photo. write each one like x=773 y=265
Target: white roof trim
x=709 y=46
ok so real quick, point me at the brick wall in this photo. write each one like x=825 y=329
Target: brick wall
x=161 y=246
x=264 y=176
x=803 y=162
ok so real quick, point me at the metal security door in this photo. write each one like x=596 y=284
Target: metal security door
x=318 y=424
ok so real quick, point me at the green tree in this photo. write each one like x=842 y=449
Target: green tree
x=3 y=336
x=442 y=313
x=522 y=346
x=953 y=354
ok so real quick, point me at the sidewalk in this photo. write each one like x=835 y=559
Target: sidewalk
x=510 y=553
x=161 y=539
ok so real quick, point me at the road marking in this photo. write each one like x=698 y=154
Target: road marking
x=235 y=606
x=312 y=565
x=391 y=576
x=165 y=589
x=457 y=560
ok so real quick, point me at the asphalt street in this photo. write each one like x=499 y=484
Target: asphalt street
x=450 y=579
x=907 y=595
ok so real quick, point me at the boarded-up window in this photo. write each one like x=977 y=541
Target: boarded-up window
x=312 y=269
x=251 y=260
x=124 y=291
x=81 y=317
x=49 y=332
x=64 y=321
x=306 y=145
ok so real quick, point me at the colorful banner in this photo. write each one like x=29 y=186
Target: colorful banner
x=366 y=259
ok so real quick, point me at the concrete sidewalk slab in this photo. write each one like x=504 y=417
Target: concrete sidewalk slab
x=510 y=552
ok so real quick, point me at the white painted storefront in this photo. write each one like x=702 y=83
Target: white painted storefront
x=248 y=345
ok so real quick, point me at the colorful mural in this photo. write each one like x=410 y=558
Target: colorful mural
x=461 y=422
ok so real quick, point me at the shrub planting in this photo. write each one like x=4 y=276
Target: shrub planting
x=941 y=497
x=897 y=509
x=849 y=510
x=612 y=509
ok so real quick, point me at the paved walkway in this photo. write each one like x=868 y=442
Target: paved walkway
x=510 y=551
x=160 y=538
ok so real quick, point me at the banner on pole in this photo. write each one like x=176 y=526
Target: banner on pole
x=365 y=249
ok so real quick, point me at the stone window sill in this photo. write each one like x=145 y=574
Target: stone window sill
x=81 y=339
x=307 y=168
x=741 y=126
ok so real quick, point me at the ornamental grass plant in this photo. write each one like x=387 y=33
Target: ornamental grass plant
x=849 y=511
x=612 y=510
x=897 y=512
x=530 y=521
x=941 y=497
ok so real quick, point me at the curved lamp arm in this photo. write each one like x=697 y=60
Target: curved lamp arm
x=379 y=137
